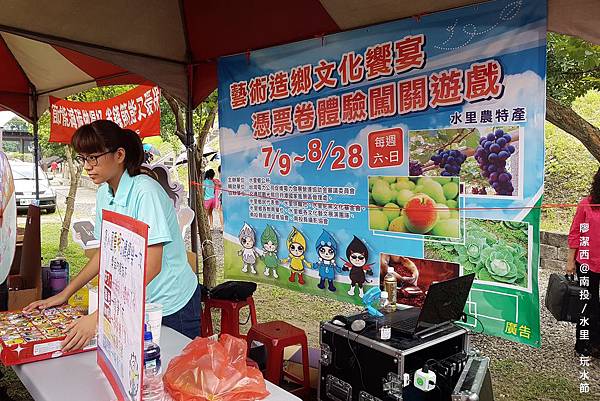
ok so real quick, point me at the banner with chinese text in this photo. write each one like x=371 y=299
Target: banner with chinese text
x=121 y=303
x=137 y=110
x=397 y=145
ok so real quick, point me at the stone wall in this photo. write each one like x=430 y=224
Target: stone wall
x=553 y=251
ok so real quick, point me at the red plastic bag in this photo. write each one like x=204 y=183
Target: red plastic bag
x=208 y=370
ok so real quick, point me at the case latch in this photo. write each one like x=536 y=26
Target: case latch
x=325 y=355
x=392 y=386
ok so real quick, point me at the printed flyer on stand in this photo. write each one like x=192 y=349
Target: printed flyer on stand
x=121 y=303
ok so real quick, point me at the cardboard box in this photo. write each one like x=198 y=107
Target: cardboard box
x=30 y=337
x=293 y=363
x=26 y=286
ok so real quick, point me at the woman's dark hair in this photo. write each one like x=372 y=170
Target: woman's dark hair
x=595 y=190
x=106 y=136
x=162 y=177
x=209 y=174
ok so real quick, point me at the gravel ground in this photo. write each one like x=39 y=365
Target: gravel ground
x=556 y=355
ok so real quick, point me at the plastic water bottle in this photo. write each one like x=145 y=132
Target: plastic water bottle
x=390 y=285
x=384 y=303
x=59 y=275
x=152 y=388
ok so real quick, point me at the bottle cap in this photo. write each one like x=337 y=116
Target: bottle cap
x=147 y=333
x=391 y=270
x=384 y=294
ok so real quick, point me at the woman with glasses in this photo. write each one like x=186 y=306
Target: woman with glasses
x=112 y=157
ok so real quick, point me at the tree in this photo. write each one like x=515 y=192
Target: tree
x=573 y=69
x=17 y=124
x=203 y=119
x=75 y=170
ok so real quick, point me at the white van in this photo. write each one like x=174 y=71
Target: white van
x=24 y=177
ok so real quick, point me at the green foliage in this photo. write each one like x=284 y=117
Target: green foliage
x=569 y=167
x=573 y=67
x=17 y=124
x=168 y=121
x=588 y=107
x=48 y=148
x=202 y=112
x=168 y=126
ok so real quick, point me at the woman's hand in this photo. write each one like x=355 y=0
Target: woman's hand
x=571 y=268
x=80 y=332
x=56 y=300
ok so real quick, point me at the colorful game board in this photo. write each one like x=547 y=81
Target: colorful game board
x=28 y=337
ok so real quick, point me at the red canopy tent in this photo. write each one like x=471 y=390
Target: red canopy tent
x=176 y=43
x=32 y=71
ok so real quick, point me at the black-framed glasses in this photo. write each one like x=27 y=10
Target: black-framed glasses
x=92 y=160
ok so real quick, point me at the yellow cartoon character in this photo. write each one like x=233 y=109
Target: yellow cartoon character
x=296 y=245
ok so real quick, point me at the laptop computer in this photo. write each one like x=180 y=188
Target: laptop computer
x=444 y=303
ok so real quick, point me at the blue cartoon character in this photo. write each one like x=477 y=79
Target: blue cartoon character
x=249 y=253
x=270 y=243
x=296 y=244
x=327 y=250
x=357 y=255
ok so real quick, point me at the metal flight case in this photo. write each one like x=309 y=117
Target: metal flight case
x=359 y=366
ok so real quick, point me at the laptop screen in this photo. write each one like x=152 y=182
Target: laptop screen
x=445 y=301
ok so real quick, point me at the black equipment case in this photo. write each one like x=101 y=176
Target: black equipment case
x=562 y=298
x=362 y=367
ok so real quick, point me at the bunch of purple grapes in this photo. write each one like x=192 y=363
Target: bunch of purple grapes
x=450 y=161
x=478 y=191
x=491 y=154
x=415 y=168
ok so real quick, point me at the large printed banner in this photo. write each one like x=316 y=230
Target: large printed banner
x=121 y=303
x=415 y=144
x=137 y=109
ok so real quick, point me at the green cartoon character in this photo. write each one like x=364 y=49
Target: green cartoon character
x=270 y=243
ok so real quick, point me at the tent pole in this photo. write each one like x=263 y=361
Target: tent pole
x=36 y=145
x=190 y=144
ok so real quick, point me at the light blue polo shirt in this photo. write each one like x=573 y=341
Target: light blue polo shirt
x=142 y=198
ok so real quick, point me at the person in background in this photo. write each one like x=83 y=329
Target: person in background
x=54 y=168
x=219 y=197
x=112 y=158
x=584 y=260
x=208 y=184
x=399 y=263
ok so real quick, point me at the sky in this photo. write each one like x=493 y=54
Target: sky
x=6 y=116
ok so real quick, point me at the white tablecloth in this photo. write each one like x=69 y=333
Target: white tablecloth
x=79 y=378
